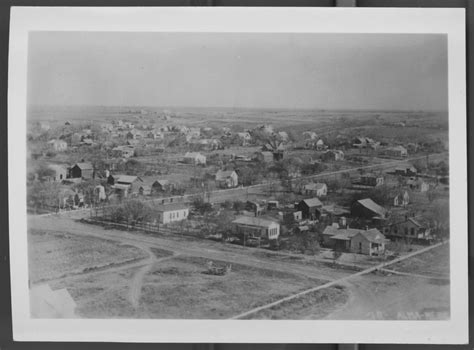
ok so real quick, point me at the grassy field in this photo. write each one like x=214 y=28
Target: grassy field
x=180 y=288
x=55 y=254
x=432 y=263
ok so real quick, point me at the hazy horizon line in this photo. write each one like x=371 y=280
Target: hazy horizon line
x=240 y=107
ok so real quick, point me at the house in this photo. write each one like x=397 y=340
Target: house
x=244 y=138
x=359 y=142
x=371 y=180
x=168 y=213
x=401 y=199
x=264 y=156
x=397 y=151
x=254 y=227
x=368 y=209
x=310 y=208
x=58 y=145
x=405 y=170
x=332 y=155
x=320 y=145
x=60 y=172
x=160 y=186
x=194 y=158
x=254 y=207
x=370 y=242
x=418 y=184
x=128 y=184
x=145 y=189
x=315 y=189
x=123 y=151
x=48 y=303
x=227 y=178
x=83 y=170
x=414 y=228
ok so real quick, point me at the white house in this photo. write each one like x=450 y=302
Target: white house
x=172 y=212
x=60 y=172
x=227 y=178
x=58 y=145
x=315 y=189
x=194 y=158
x=256 y=227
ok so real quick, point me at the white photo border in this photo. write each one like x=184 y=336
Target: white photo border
x=249 y=20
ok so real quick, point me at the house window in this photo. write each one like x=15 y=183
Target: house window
x=61 y=176
x=412 y=231
x=360 y=245
x=406 y=230
x=395 y=229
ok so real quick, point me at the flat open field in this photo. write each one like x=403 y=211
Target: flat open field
x=181 y=288
x=434 y=263
x=57 y=254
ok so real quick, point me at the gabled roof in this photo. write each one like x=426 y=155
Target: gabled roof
x=253 y=221
x=372 y=206
x=171 y=207
x=222 y=174
x=313 y=202
x=85 y=166
x=162 y=182
x=127 y=178
x=373 y=235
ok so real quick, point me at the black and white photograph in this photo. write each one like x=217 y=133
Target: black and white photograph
x=238 y=175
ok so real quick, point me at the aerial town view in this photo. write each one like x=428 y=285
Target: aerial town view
x=333 y=204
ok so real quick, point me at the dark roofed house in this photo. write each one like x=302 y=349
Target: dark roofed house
x=310 y=208
x=413 y=228
x=160 y=186
x=368 y=209
x=83 y=170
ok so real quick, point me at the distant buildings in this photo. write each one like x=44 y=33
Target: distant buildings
x=371 y=180
x=397 y=151
x=332 y=155
x=414 y=228
x=123 y=151
x=60 y=172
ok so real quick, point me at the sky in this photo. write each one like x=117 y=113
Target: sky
x=233 y=70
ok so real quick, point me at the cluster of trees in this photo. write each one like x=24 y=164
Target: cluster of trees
x=132 y=211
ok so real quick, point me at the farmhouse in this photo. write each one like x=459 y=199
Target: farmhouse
x=58 y=145
x=414 y=228
x=256 y=227
x=310 y=208
x=227 y=178
x=254 y=207
x=401 y=199
x=418 y=184
x=370 y=242
x=129 y=184
x=315 y=189
x=405 y=170
x=60 y=172
x=194 y=158
x=367 y=208
x=83 y=170
x=160 y=186
x=264 y=157
x=123 y=151
x=397 y=151
x=371 y=180
x=320 y=145
x=172 y=212
x=332 y=155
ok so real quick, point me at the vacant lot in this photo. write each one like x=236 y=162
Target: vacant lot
x=180 y=288
x=56 y=254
